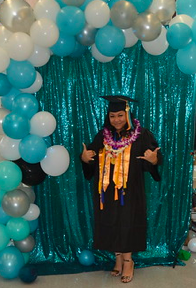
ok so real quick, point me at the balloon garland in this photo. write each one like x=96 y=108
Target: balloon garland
x=31 y=32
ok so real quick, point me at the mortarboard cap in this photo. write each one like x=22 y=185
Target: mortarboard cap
x=118 y=102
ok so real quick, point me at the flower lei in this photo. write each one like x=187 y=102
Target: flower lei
x=117 y=146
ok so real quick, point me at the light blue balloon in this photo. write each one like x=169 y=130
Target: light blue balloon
x=110 y=40
x=141 y=5
x=179 y=35
x=10 y=175
x=15 y=125
x=64 y=45
x=11 y=261
x=21 y=74
x=18 y=228
x=25 y=104
x=187 y=7
x=8 y=99
x=5 y=85
x=78 y=51
x=70 y=20
x=4 y=218
x=32 y=149
x=186 y=59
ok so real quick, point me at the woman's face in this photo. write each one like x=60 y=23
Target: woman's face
x=118 y=120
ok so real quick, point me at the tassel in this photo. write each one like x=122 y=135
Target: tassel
x=122 y=193
x=116 y=193
x=102 y=196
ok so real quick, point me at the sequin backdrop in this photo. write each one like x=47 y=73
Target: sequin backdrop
x=166 y=106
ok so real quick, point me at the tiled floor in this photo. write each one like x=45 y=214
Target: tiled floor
x=151 y=277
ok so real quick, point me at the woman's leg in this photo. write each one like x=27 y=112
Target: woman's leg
x=118 y=265
x=128 y=268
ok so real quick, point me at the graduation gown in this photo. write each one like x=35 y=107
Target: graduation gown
x=122 y=228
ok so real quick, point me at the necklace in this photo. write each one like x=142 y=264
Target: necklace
x=117 y=146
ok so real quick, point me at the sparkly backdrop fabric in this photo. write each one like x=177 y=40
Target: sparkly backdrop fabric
x=166 y=106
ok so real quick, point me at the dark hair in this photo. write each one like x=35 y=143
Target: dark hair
x=124 y=132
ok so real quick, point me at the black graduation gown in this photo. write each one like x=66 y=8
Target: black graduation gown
x=120 y=228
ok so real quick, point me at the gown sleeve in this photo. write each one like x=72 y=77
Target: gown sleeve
x=96 y=145
x=149 y=142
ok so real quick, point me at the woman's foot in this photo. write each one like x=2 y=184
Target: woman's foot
x=128 y=270
x=118 y=265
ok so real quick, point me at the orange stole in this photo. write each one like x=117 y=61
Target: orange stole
x=120 y=174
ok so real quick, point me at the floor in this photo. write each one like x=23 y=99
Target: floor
x=151 y=277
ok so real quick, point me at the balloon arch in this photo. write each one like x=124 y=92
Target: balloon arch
x=31 y=32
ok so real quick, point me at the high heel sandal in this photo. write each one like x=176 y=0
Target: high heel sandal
x=116 y=272
x=127 y=279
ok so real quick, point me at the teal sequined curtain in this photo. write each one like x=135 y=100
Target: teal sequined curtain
x=166 y=105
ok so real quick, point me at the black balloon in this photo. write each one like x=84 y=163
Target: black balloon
x=32 y=174
x=28 y=274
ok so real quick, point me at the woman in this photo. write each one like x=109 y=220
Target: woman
x=117 y=159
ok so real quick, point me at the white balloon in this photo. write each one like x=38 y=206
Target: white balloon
x=42 y=124
x=33 y=213
x=40 y=56
x=157 y=46
x=56 y=161
x=130 y=37
x=9 y=148
x=4 y=36
x=97 y=13
x=46 y=9
x=44 y=32
x=20 y=46
x=192 y=245
x=4 y=60
x=182 y=18
x=36 y=86
x=98 y=56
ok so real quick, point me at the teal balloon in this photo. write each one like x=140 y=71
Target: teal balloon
x=186 y=59
x=4 y=218
x=21 y=74
x=5 y=238
x=194 y=30
x=179 y=35
x=16 y=126
x=11 y=261
x=18 y=228
x=110 y=40
x=7 y=100
x=25 y=104
x=5 y=85
x=33 y=225
x=187 y=7
x=61 y=3
x=64 y=45
x=86 y=258
x=10 y=175
x=141 y=5
x=2 y=193
x=32 y=149
x=78 y=51
x=70 y=20
x=26 y=257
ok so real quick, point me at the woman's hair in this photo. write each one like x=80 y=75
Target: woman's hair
x=124 y=132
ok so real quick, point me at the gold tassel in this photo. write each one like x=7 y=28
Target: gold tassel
x=116 y=193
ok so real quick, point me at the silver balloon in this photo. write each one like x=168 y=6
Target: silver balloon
x=15 y=203
x=147 y=27
x=29 y=191
x=26 y=245
x=87 y=36
x=74 y=2
x=17 y=15
x=123 y=14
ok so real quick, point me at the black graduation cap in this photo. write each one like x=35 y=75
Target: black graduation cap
x=118 y=102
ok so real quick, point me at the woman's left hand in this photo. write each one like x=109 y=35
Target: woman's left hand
x=150 y=156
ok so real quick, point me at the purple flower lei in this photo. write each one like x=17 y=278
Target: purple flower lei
x=124 y=141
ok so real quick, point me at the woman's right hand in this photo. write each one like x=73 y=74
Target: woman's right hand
x=87 y=155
